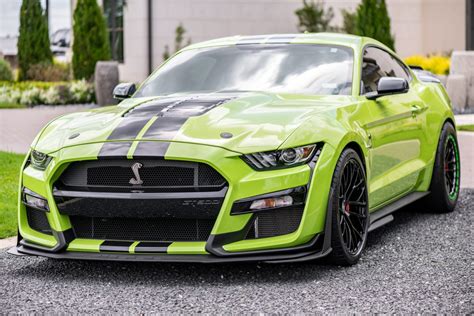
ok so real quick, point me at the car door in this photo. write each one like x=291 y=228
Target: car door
x=393 y=127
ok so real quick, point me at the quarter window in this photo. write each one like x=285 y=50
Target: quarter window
x=376 y=64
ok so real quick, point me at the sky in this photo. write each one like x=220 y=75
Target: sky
x=59 y=16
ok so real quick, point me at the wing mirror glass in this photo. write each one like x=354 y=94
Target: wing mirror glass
x=388 y=86
x=124 y=90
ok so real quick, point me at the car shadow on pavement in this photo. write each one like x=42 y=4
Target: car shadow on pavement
x=406 y=221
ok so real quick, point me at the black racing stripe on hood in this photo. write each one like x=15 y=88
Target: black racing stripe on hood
x=132 y=123
x=114 y=150
x=152 y=108
x=171 y=114
x=171 y=120
x=129 y=128
x=151 y=149
x=152 y=247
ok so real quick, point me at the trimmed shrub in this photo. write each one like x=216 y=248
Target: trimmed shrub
x=6 y=73
x=348 y=21
x=91 y=41
x=33 y=42
x=372 y=20
x=32 y=93
x=49 y=72
x=178 y=41
x=313 y=17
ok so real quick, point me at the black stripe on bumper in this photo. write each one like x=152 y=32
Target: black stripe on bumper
x=152 y=247
x=115 y=246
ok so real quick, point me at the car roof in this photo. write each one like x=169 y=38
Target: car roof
x=354 y=41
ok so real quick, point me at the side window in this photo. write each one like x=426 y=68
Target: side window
x=377 y=63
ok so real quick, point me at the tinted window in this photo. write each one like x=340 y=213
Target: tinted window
x=376 y=64
x=293 y=68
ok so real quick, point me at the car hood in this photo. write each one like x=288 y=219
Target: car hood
x=240 y=122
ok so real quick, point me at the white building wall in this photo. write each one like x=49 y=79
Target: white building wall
x=135 y=66
x=419 y=26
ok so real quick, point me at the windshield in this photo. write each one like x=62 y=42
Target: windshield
x=290 y=68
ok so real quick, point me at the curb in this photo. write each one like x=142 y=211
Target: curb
x=7 y=242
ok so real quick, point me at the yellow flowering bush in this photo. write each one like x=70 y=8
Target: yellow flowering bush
x=437 y=64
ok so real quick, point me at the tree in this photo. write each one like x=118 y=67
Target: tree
x=178 y=41
x=33 y=42
x=91 y=40
x=372 y=20
x=348 y=21
x=314 y=18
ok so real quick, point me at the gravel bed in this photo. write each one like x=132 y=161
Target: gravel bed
x=419 y=263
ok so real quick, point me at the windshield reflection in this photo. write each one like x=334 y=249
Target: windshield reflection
x=289 y=68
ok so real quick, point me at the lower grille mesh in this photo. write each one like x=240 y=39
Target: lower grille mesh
x=38 y=221
x=275 y=223
x=142 y=229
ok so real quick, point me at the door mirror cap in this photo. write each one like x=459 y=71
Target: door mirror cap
x=388 y=86
x=124 y=90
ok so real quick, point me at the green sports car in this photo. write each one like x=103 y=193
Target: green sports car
x=268 y=148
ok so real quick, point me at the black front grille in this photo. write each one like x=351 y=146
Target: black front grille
x=38 y=221
x=142 y=229
x=177 y=201
x=140 y=208
x=157 y=176
x=275 y=222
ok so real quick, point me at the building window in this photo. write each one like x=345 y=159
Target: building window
x=113 y=11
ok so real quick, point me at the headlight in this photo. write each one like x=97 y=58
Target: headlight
x=284 y=158
x=39 y=160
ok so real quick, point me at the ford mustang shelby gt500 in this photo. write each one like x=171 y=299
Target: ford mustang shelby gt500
x=271 y=148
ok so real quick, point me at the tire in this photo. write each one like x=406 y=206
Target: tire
x=348 y=209
x=446 y=178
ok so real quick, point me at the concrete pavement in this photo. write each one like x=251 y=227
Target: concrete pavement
x=464 y=119
x=18 y=127
x=7 y=242
x=466 y=146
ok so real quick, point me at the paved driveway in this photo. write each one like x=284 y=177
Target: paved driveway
x=18 y=127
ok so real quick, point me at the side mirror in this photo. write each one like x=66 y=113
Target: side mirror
x=388 y=86
x=124 y=90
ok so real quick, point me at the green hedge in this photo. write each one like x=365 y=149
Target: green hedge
x=31 y=93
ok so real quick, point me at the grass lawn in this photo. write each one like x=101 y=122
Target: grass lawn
x=10 y=165
x=4 y=105
x=466 y=128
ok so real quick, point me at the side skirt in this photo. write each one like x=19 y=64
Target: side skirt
x=383 y=216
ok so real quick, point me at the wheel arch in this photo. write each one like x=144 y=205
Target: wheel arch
x=358 y=149
x=448 y=120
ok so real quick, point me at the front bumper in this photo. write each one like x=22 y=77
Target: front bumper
x=311 y=251
x=226 y=242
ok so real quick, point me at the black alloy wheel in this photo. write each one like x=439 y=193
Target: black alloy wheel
x=349 y=208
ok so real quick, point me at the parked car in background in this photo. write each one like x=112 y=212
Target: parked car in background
x=61 y=44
